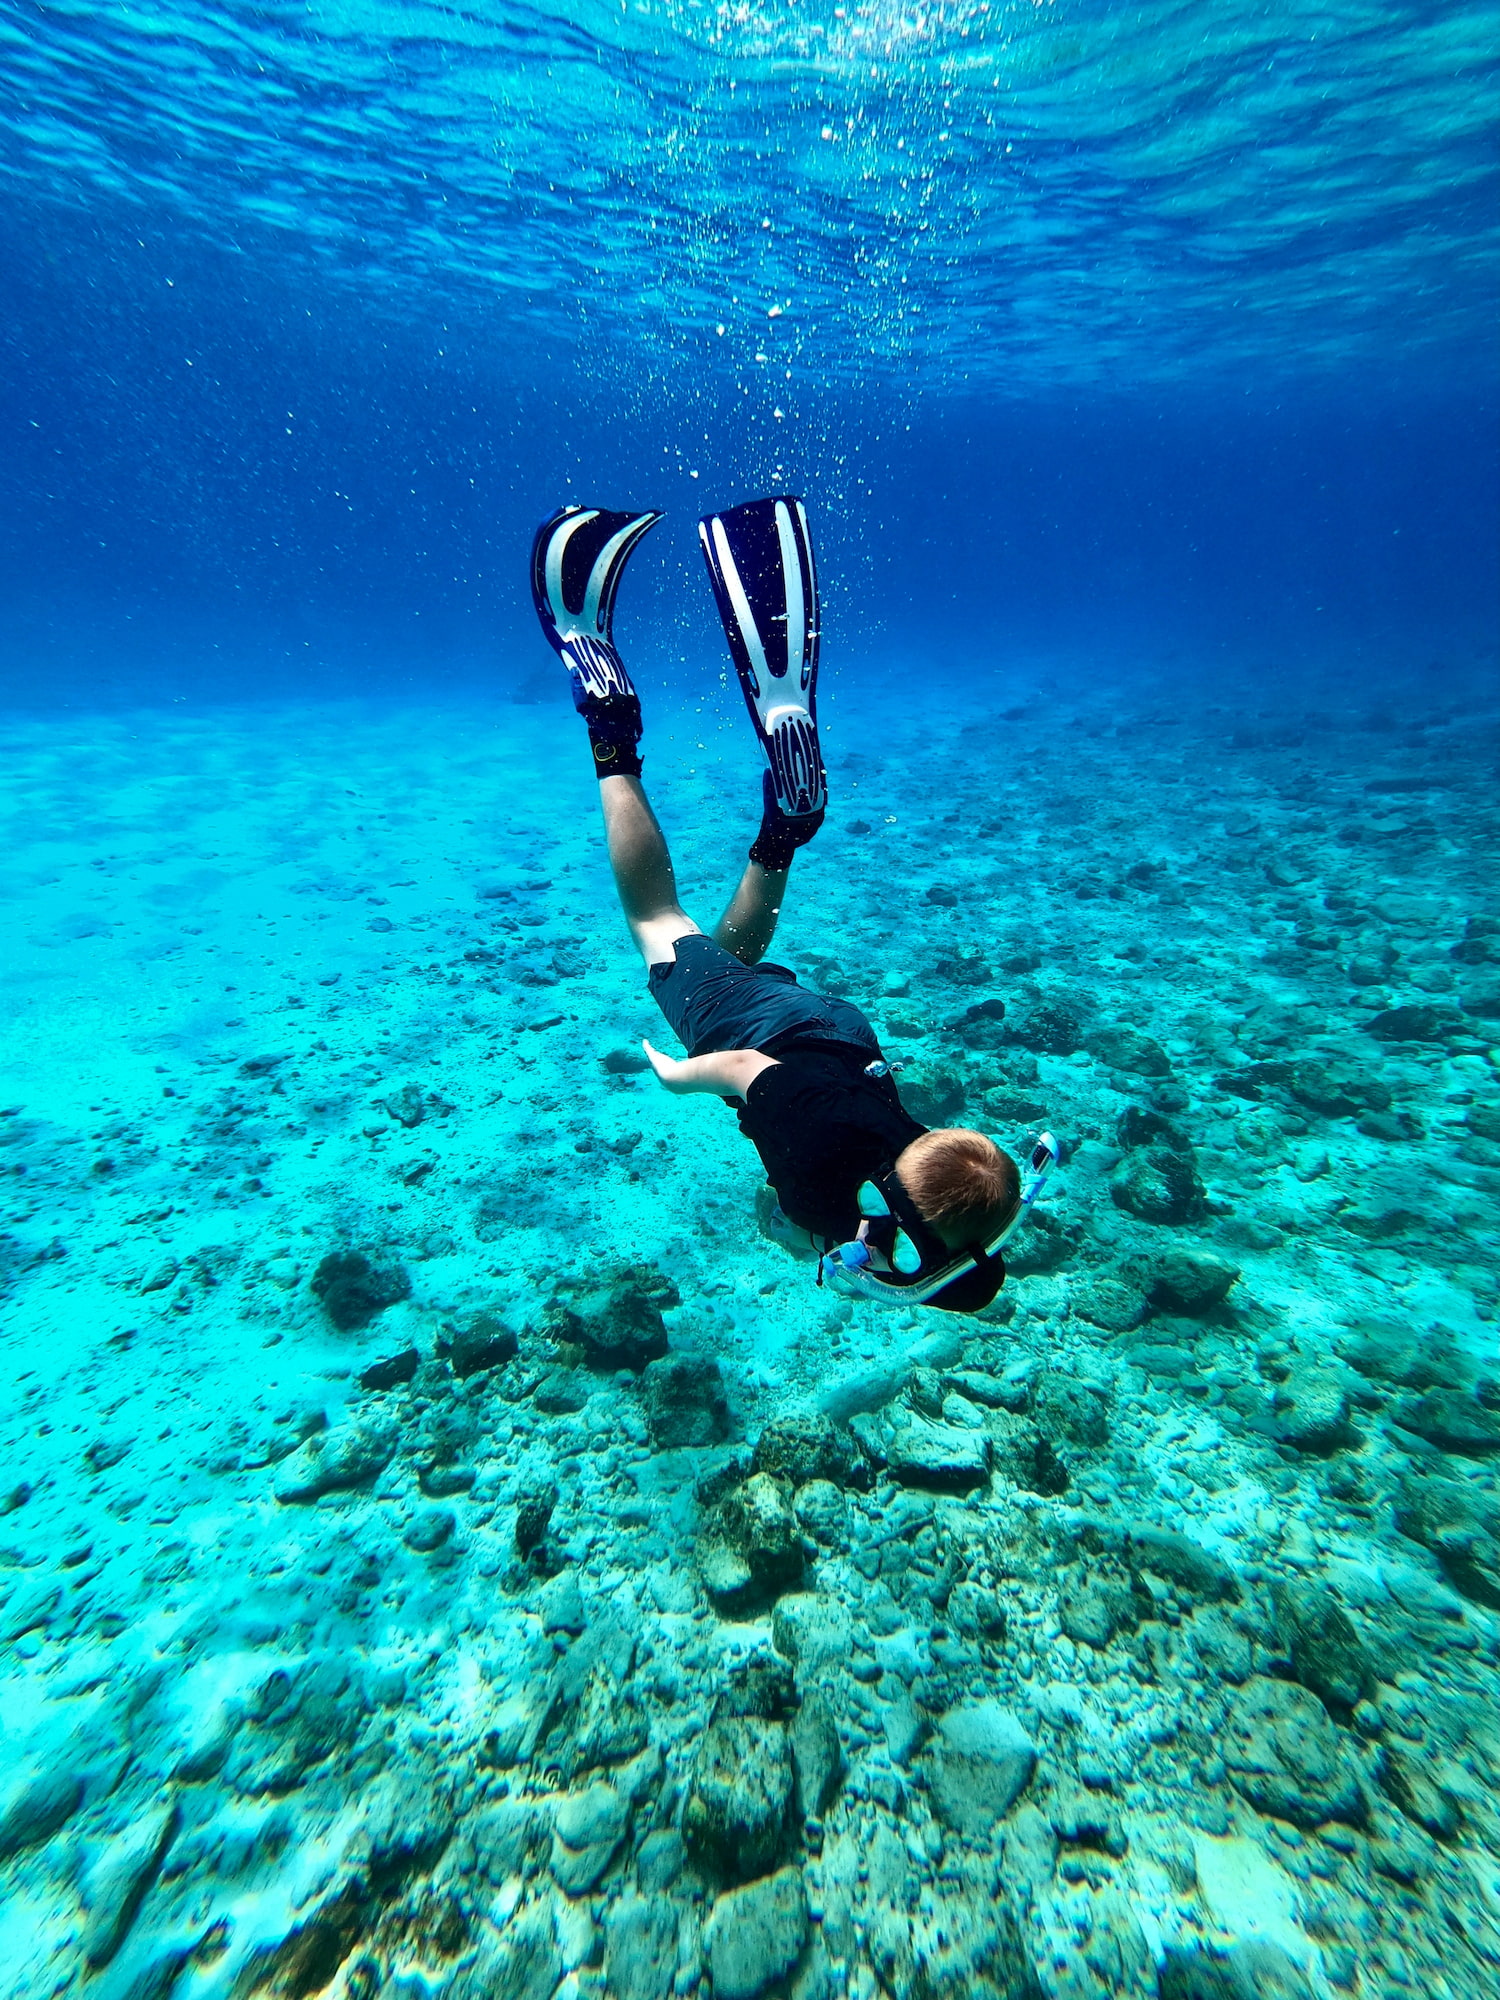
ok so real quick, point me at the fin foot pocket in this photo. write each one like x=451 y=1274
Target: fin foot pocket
x=765 y=582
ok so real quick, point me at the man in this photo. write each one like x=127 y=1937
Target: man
x=903 y=1212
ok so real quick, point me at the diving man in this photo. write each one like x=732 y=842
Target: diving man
x=897 y=1211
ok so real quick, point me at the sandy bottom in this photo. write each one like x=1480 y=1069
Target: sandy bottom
x=286 y=1705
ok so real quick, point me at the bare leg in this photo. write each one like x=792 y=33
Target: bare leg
x=643 y=871
x=749 y=924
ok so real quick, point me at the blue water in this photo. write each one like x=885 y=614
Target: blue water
x=1138 y=369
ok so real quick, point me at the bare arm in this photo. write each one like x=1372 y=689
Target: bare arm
x=729 y=1073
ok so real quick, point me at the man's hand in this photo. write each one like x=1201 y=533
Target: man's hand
x=728 y=1073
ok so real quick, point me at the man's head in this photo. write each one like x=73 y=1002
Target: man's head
x=963 y=1186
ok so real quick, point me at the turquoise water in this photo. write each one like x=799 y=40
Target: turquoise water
x=449 y=1545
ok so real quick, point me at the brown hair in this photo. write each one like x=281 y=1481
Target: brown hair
x=961 y=1183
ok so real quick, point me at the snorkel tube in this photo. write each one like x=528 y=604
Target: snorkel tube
x=914 y=1278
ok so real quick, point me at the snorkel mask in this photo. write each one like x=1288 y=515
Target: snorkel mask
x=900 y=1259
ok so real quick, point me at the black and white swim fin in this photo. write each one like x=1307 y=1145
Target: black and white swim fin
x=577 y=560
x=760 y=560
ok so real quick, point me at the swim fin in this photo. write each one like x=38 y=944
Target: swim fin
x=760 y=561
x=577 y=560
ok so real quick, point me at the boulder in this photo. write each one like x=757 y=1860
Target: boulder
x=478 y=1345
x=950 y=1458
x=34 y=1804
x=1106 y=1303
x=588 y=1827
x=750 y=1547
x=347 y=1456
x=640 y=1947
x=1460 y=1523
x=805 y=1446
x=1326 y=1651
x=1097 y=1601
x=615 y=1317
x=1452 y=1420
x=354 y=1287
x=1158 y=1185
x=1194 y=1570
x=1052 y=1028
x=754 y=1935
x=1191 y=1281
x=1312 y=1409
x=1021 y=1454
x=117 y=1884
x=980 y=1763
x=1124 y=1047
x=684 y=1402
x=737 y=1820
x=817 y=1756
x=1069 y=1412
x=1285 y=1757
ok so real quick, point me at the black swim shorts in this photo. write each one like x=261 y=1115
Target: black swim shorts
x=713 y=1002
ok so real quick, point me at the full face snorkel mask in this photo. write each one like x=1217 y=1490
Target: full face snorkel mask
x=900 y=1259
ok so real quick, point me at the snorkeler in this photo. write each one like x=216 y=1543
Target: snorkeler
x=894 y=1210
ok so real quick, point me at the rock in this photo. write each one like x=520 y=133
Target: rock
x=428 y=1529
x=1256 y=1969
x=1460 y=1523
x=684 y=1401
x=34 y=1804
x=1222 y=1648
x=1146 y=1125
x=1408 y=1783
x=1124 y=1047
x=805 y=1446
x=1326 y=1652
x=616 y=1319
x=749 y=1547
x=822 y=1512
x=521 y=1962
x=1097 y=1602
x=640 y=1948
x=811 y=1630
x=946 y=1457
x=754 y=1936
x=30 y=1608
x=981 y=1762
x=118 y=1883
x=532 y=1516
x=1022 y=1455
x=107 y=1451
x=563 y=1392
x=392 y=1373
x=482 y=1343
x=1106 y=1303
x=817 y=1756
x=1069 y=1412
x=1051 y=1028
x=763 y=1685
x=1312 y=1409
x=1191 y=1281
x=1451 y=1420
x=975 y=1612
x=561 y=1605
x=739 y=1801
x=293 y=1725
x=1285 y=1757
x=610 y=1727
x=588 y=1827
x=354 y=1288
x=1407 y=1357
x=1417 y=1023
x=991 y=1392
x=350 y=1455
x=1158 y=1185
x=932 y=1095
x=504 y=1833
x=1196 y=1571
x=659 y=1860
